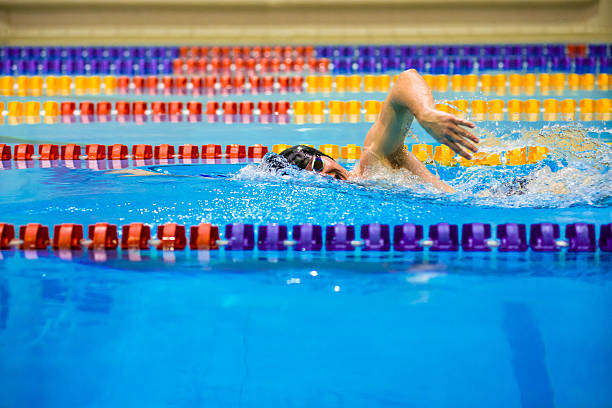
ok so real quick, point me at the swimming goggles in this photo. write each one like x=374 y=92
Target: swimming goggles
x=317 y=164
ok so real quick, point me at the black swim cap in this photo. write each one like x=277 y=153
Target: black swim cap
x=301 y=155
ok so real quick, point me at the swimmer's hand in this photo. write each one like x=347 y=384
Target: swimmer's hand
x=446 y=128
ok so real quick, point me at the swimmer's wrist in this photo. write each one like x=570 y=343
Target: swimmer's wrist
x=423 y=114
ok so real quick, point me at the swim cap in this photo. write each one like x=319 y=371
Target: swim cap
x=301 y=155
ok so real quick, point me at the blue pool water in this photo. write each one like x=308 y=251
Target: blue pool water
x=257 y=328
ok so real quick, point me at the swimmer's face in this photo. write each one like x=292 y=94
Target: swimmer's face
x=328 y=167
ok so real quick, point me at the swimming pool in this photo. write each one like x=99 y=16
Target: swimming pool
x=283 y=327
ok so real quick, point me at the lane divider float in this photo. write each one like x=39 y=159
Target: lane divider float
x=477 y=237
x=143 y=154
x=210 y=85
x=285 y=112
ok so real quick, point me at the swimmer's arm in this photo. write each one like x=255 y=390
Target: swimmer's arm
x=410 y=95
x=409 y=161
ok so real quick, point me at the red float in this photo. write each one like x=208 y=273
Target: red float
x=86 y=108
x=139 y=83
x=175 y=108
x=70 y=152
x=212 y=107
x=229 y=107
x=168 y=83
x=211 y=151
x=164 y=151
x=255 y=82
x=268 y=82
x=257 y=152
x=95 y=152
x=177 y=66
x=297 y=83
x=7 y=234
x=104 y=108
x=225 y=82
x=117 y=152
x=283 y=82
x=202 y=66
x=139 y=108
x=135 y=236
x=246 y=107
x=282 y=107
x=5 y=152
x=142 y=152
x=265 y=107
x=188 y=151
x=34 y=236
x=204 y=236
x=235 y=151
x=122 y=107
x=23 y=152
x=238 y=65
x=194 y=108
x=181 y=84
x=67 y=236
x=191 y=65
x=209 y=82
x=214 y=64
x=251 y=63
x=103 y=236
x=123 y=83
x=67 y=108
x=158 y=108
x=197 y=84
x=48 y=151
x=238 y=82
x=172 y=236
x=152 y=83
x=226 y=64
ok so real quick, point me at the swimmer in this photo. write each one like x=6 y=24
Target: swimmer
x=410 y=98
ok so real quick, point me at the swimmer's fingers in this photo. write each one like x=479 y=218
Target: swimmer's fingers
x=468 y=135
x=463 y=139
x=458 y=149
x=464 y=122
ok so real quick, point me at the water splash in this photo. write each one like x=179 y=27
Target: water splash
x=576 y=172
